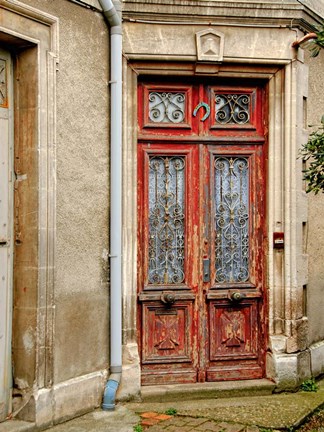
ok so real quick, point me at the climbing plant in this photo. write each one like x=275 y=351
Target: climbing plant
x=317 y=44
x=313 y=151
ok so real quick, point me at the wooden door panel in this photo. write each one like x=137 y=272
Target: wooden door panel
x=235 y=112
x=226 y=372
x=168 y=339
x=166 y=109
x=168 y=374
x=233 y=330
x=236 y=350
x=169 y=333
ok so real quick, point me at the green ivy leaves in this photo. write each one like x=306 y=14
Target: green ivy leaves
x=313 y=151
x=318 y=44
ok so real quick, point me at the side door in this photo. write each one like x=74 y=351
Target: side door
x=6 y=249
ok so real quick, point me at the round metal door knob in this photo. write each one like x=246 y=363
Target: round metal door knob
x=168 y=298
x=237 y=296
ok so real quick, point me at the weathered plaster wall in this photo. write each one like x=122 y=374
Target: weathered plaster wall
x=316 y=5
x=315 y=235
x=81 y=287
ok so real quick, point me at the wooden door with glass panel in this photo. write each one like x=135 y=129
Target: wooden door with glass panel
x=201 y=231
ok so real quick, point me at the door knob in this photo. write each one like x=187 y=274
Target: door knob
x=168 y=298
x=236 y=296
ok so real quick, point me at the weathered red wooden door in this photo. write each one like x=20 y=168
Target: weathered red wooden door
x=201 y=236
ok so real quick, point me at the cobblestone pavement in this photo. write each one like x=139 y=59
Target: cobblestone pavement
x=164 y=423
x=246 y=413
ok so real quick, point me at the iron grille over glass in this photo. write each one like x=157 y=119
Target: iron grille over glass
x=166 y=220
x=231 y=219
x=232 y=109
x=167 y=107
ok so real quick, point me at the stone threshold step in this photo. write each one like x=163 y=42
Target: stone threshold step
x=207 y=390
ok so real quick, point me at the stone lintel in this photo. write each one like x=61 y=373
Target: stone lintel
x=214 y=44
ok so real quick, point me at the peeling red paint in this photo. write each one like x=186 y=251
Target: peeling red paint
x=204 y=335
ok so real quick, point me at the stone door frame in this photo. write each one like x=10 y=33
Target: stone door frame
x=287 y=361
x=32 y=38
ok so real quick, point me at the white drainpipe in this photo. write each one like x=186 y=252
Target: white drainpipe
x=112 y=13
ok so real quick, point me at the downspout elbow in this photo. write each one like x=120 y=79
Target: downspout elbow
x=108 y=403
x=112 y=12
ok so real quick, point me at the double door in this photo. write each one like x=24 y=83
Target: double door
x=201 y=236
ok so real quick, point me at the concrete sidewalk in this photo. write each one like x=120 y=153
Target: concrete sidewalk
x=249 y=412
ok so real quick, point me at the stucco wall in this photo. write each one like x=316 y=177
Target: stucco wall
x=315 y=240
x=316 y=5
x=81 y=287
x=81 y=291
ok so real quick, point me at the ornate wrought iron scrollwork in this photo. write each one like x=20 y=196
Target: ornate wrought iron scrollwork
x=232 y=109
x=167 y=107
x=166 y=220
x=231 y=219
